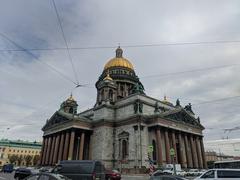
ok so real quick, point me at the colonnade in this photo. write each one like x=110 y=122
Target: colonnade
x=65 y=145
x=189 y=149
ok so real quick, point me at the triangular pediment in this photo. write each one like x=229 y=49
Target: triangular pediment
x=55 y=119
x=123 y=134
x=181 y=115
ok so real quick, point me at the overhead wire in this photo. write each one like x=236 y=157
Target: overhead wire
x=190 y=71
x=216 y=100
x=132 y=46
x=65 y=41
x=37 y=59
x=41 y=108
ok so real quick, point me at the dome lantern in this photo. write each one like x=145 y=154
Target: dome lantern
x=119 y=52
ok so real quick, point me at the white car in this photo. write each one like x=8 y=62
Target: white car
x=194 y=172
x=181 y=173
x=220 y=174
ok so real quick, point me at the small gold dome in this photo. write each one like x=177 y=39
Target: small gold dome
x=165 y=99
x=119 y=61
x=70 y=98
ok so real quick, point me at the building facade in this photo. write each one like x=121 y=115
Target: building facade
x=20 y=153
x=122 y=125
x=214 y=156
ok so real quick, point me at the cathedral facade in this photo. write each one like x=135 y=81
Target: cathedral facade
x=123 y=125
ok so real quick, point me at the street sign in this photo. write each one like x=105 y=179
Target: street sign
x=150 y=148
x=172 y=152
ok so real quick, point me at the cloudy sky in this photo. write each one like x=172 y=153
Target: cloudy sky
x=31 y=91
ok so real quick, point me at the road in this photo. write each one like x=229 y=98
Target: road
x=8 y=176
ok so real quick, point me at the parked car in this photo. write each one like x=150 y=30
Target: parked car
x=45 y=169
x=85 y=169
x=158 y=173
x=181 y=173
x=7 y=168
x=112 y=175
x=22 y=173
x=169 y=168
x=193 y=172
x=166 y=177
x=220 y=174
x=46 y=176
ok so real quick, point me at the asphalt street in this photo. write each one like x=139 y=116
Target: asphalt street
x=10 y=176
x=6 y=176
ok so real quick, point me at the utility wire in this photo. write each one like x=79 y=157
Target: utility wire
x=216 y=100
x=36 y=58
x=190 y=71
x=131 y=46
x=41 y=108
x=183 y=72
x=64 y=37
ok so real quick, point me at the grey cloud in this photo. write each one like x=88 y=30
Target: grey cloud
x=107 y=23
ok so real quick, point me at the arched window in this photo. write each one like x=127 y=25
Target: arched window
x=71 y=110
x=124 y=149
x=102 y=95
x=123 y=145
x=110 y=94
x=122 y=90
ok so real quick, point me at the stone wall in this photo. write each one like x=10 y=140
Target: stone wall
x=104 y=113
x=102 y=145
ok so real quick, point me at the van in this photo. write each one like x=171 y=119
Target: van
x=220 y=174
x=81 y=169
x=7 y=168
x=169 y=168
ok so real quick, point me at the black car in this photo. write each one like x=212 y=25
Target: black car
x=46 y=176
x=165 y=177
x=22 y=173
x=85 y=169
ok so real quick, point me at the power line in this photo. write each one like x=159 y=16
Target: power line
x=41 y=108
x=36 y=58
x=216 y=100
x=187 y=71
x=190 y=71
x=130 y=46
x=65 y=41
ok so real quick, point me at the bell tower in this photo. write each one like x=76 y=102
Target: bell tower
x=69 y=106
x=106 y=91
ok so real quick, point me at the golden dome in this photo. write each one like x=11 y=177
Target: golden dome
x=119 y=61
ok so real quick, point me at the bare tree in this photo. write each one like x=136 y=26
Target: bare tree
x=20 y=160
x=36 y=159
x=13 y=158
x=28 y=159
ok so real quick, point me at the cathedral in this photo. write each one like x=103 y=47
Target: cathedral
x=125 y=127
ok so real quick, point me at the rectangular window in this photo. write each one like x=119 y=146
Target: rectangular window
x=228 y=174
